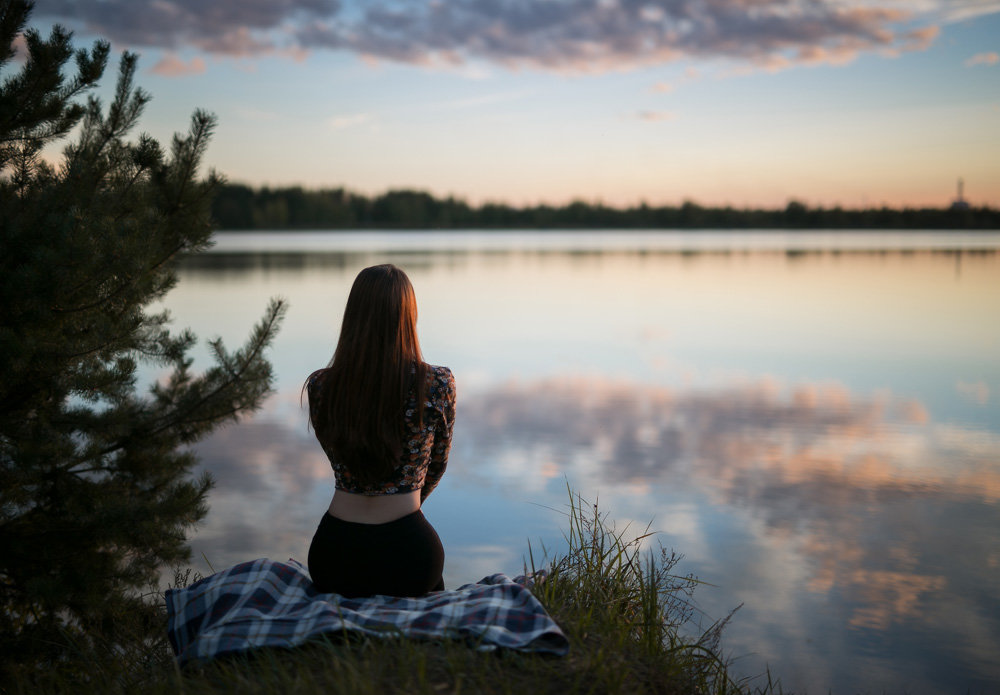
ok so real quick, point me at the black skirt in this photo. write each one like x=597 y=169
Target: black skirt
x=401 y=558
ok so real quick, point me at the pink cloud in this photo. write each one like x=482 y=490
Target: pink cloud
x=241 y=42
x=991 y=58
x=920 y=39
x=19 y=46
x=172 y=66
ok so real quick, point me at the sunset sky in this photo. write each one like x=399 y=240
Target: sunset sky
x=742 y=102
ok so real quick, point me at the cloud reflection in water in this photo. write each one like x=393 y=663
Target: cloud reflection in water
x=891 y=518
x=882 y=517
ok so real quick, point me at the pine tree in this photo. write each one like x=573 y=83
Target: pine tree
x=96 y=473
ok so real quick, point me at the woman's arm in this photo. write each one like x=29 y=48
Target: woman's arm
x=442 y=396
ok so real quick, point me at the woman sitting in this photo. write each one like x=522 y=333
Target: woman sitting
x=384 y=418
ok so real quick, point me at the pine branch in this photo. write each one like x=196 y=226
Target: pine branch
x=263 y=334
x=156 y=267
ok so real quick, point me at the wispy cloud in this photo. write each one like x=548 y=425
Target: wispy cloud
x=341 y=122
x=950 y=11
x=690 y=74
x=656 y=116
x=484 y=100
x=173 y=66
x=572 y=36
x=991 y=58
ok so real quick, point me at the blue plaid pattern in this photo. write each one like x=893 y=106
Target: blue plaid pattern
x=263 y=603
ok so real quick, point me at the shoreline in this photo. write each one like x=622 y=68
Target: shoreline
x=597 y=240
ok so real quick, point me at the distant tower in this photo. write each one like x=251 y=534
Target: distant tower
x=960 y=202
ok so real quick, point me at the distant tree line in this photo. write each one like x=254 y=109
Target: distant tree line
x=238 y=206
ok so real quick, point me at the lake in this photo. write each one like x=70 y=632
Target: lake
x=811 y=419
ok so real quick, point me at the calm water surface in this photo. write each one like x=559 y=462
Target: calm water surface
x=812 y=420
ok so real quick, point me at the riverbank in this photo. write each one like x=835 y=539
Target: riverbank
x=629 y=617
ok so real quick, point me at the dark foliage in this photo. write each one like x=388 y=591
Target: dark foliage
x=96 y=484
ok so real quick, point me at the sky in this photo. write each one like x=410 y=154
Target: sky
x=722 y=102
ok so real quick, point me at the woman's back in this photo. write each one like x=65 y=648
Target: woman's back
x=423 y=438
x=425 y=441
x=384 y=418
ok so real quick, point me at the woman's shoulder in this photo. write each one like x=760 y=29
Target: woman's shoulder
x=439 y=372
x=440 y=380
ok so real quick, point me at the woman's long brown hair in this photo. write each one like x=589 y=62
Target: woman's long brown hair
x=357 y=406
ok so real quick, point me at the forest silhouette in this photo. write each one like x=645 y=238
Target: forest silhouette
x=240 y=207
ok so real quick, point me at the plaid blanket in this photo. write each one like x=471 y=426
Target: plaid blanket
x=274 y=604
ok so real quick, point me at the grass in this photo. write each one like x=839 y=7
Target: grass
x=628 y=617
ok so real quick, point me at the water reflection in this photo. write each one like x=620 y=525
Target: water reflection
x=817 y=434
x=266 y=496
x=889 y=516
x=882 y=521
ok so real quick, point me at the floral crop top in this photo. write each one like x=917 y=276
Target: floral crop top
x=425 y=452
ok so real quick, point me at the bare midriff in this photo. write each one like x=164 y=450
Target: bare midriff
x=373 y=509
